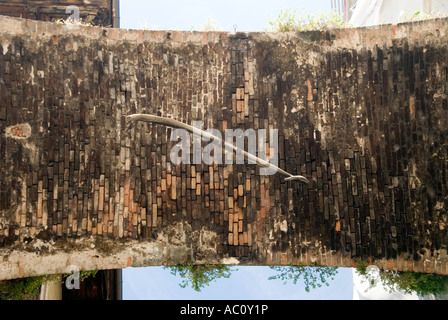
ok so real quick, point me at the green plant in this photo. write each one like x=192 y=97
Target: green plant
x=28 y=288
x=83 y=275
x=87 y=274
x=361 y=266
x=199 y=276
x=421 y=15
x=313 y=276
x=209 y=25
x=291 y=20
x=74 y=22
x=22 y=289
x=420 y=283
x=146 y=27
x=408 y=282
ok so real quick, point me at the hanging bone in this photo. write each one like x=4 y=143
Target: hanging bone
x=176 y=124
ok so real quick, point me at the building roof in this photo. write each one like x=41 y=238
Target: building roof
x=103 y=13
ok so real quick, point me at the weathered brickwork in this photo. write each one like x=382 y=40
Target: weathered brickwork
x=362 y=113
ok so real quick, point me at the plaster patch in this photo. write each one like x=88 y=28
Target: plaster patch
x=32 y=75
x=230 y=261
x=5 y=47
x=284 y=226
x=18 y=131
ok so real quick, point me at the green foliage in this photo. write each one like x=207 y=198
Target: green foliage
x=361 y=266
x=78 y=22
x=313 y=276
x=83 y=275
x=28 y=288
x=420 y=15
x=199 y=276
x=146 y=27
x=209 y=25
x=408 y=282
x=21 y=289
x=420 y=283
x=290 y=20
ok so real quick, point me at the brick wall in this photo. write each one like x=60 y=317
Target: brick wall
x=362 y=113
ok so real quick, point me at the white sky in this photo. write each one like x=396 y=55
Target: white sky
x=247 y=15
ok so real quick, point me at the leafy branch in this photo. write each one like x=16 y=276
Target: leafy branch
x=313 y=276
x=405 y=281
x=291 y=20
x=199 y=276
